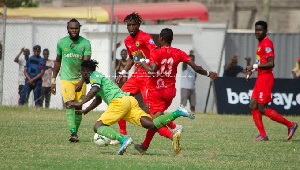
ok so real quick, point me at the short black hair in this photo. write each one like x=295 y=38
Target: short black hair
x=73 y=20
x=37 y=47
x=134 y=16
x=123 y=50
x=167 y=35
x=46 y=49
x=262 y=23
x=89 y=65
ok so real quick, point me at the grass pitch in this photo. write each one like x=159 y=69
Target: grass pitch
x=35 y=138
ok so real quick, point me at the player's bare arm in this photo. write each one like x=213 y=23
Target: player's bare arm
x=150 y=69
x=56 y=69
x=18 y=56
x=129 y=64
x=200 y=70
x=79 y=85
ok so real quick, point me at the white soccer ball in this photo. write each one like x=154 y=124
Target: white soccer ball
x=101 y=141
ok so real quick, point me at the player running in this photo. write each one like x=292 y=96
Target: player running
x=137 y=41
x=120 y=105
x=71 y=51
x=161 y=84
x=261 y=94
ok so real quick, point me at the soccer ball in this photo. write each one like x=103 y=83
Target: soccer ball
x=101 y=141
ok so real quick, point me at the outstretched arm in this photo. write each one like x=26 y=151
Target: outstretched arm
x=18 y=56
x=200 y=70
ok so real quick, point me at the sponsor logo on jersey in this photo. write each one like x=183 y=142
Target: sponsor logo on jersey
x=257 y=59
x=268 y=49
x=137 y=44
x=72 y=55
x=66 y=49
x=151 y=41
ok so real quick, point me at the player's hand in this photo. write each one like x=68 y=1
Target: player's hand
x=248 y=75
x=23 y=49
x=139 y=54
x=213 y=75
x=30 y=82
x=53 y=89
x=71 y=104
x=78 y=86
x=119 y=79
x=249 y=68
x=80 y=112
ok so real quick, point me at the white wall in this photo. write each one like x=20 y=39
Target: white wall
x=205 y=39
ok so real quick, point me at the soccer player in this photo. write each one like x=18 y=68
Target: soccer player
x=261 y=94
x=120 y=105
x=137 y=40
x=161 y=84
x=71 y=51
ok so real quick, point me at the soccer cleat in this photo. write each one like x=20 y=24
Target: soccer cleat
x=114 y=142
x=74 y=137
x=142 y=149
x=185 y=112
x=260 y=138
x=176 y=146
x=292 y=130
x=124 y=145
x=178 y=129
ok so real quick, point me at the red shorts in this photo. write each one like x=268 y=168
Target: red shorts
x=134 y=85
x=263 y=88
x=160 y=100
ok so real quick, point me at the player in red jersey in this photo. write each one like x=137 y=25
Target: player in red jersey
x=161 y=84
x=261 y=94
x=136 y=41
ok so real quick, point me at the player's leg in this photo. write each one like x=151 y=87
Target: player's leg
x=116 y=110
x=257 y=118
x=193 y=99
x=78 y=97
x=43 y=95
x=47 y=97
x=25 y=93
x=68 y=94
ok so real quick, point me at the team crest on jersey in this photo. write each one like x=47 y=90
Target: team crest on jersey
x=82 y=49
x=66 y=49
x=258 y=49
x=137 y=44
x=268 y=49
x=151 y=41
x=90 y=50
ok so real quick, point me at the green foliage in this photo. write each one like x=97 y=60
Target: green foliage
x=35 y=138
x=20 y=3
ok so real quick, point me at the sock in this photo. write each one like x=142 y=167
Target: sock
x=257 y=117
x=163 y=120
x=148 y=138
x=164 y=131
x=110 y=133
x=171 y=125
x=272 y=114
x=71 y=119
x=78 y=119
x=122 y=125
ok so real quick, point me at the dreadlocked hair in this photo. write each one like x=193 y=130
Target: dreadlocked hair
x=133 y=16
x=73 y=20
x=89 y=65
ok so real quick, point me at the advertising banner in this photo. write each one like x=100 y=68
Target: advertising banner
x=233 y=95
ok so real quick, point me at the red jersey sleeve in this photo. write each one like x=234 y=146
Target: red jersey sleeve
x=153 y=57
x=149 y=42
x=268 y=49
x=184 y=57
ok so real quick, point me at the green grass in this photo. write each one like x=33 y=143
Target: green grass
x=33 y=138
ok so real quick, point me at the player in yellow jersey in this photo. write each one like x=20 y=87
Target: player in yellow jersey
x=72 y=50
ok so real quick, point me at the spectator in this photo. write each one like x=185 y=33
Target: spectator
x=120 y=65
x=232 y=69
x=34 y=70
x=188 y=84
x=296 y=70
x=46 y=85
x=22 y=63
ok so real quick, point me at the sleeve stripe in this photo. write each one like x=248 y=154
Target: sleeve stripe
x=96 y=85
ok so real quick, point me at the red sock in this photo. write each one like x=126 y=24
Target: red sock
x=148 y=138
x=171 y=125
x=257 y=117
x=122 y=124
x=164 y=131
x=272 y=114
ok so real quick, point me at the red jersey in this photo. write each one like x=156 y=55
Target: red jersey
x=167 y=60
x=142 y=41
x=264 y=50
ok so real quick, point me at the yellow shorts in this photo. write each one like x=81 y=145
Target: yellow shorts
x=126 y=107
x=68 y=91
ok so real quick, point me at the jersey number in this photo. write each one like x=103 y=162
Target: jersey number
x=166 y=67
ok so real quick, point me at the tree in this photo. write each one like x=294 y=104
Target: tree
x=19 y=3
